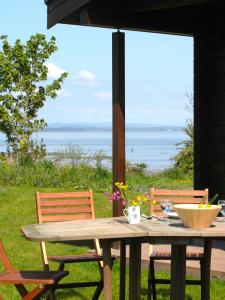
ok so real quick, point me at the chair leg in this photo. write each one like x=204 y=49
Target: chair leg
x=21 y=289
x=98 y=291
x=61 y=267
x=51 y=295
x=151 y=281
x=152 y=285
x=36 y=293
x=201 y=275
x=149 y=291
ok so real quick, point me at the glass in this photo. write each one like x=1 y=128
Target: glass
x=222 y=204
x=166 y=206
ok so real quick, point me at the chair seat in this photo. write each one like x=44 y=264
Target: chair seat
x=38 y=277
x=158 y=255
x=76 y=258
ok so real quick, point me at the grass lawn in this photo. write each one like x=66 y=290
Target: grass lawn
x=18 y=208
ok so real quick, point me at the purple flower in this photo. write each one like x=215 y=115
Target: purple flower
x=124 y=202
x=116 y=196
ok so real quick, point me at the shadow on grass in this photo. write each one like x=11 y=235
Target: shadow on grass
x=163 y=293
x=71 y=294
x=83 y=243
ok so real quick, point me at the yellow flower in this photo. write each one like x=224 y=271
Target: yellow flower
x=134 y=202
x=154 y=202
x=123 y=187
x=145 y=199
x=139 y=198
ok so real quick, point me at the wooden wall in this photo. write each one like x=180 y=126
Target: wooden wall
x=209 y=112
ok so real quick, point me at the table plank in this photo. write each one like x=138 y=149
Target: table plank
x=115 y=228
x=105 y=228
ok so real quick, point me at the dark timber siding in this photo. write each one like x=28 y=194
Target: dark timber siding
x=209 y=113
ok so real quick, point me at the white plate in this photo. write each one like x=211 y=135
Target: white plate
x=173 y=215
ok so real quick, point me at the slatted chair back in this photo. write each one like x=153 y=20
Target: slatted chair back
x=176 y=197
x=64 y=206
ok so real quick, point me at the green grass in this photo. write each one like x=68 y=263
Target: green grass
x=17 y=207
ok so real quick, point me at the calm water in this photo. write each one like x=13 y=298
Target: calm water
x=151 y=145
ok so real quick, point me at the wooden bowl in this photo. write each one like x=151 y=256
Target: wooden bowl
x=194 y=217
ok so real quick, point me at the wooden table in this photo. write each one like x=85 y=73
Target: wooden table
x=155 y=232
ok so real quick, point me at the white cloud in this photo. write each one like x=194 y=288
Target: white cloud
x=53 y=71
x=86 y=75
x=103 y=96
x=86 y=78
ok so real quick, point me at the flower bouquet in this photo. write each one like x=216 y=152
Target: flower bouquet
x=132 y=212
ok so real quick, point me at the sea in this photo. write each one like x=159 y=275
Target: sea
x=153 y=145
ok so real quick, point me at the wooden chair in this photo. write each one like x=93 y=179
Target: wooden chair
x=176 y=197
x=69 y=206
x=44 y=279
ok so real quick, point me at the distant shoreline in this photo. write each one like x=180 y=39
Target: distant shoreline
x=102 y=127
x=145 y=143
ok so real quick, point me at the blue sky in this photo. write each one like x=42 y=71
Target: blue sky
x=159 y=69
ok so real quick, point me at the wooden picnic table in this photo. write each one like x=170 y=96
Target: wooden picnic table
x=108 y=230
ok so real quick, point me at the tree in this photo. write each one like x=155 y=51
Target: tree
x=24 y=88
x=185 y=158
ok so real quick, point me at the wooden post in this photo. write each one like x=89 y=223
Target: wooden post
x=178 y=272
x=209 y=111
x=205 y=270
x=118 y=126
x=107 y=270
x=135 y=269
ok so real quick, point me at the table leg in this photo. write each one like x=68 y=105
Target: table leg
x=107 y=269
x=178 y=272
x=205 y=270
x=135 y=270
x=122 y=270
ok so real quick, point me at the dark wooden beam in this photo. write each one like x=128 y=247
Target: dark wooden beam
x=152 y=5
x=118 y=102
x=149 y=22
x=84 y=17
x=58 y=9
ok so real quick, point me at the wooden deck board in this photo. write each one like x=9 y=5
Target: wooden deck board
x=217 y=264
